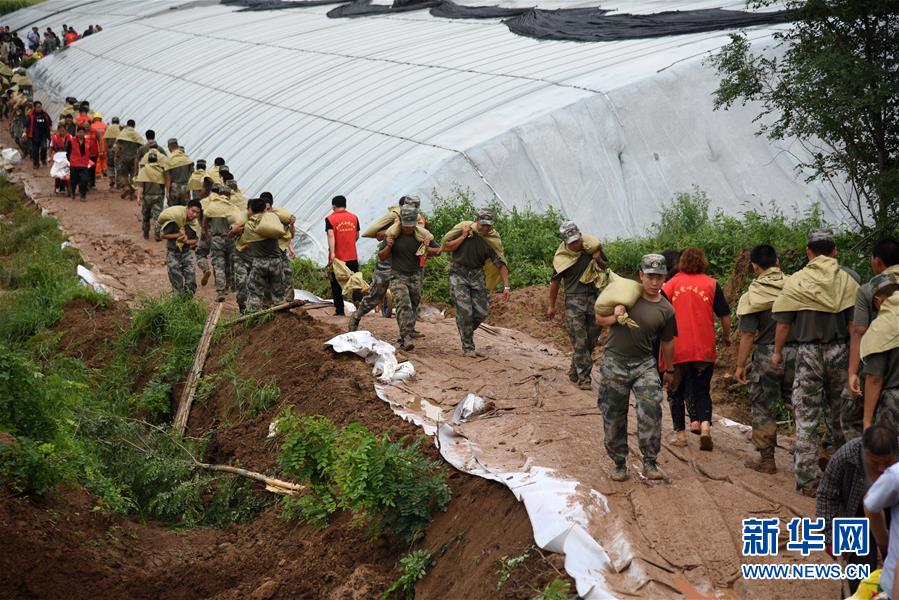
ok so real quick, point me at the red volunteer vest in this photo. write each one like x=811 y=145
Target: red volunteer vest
x=693 y=297
x=77 y=159
x=345 y=226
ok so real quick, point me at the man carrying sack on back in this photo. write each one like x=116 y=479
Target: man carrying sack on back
x=181 y=230
x=880 y=353
x=579 y=264
x=816 y=307
x=757 y=329
x=477 y=264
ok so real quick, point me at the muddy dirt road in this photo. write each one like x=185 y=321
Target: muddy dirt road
x=681 y=534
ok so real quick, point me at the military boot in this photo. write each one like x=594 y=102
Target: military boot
x=765 y=462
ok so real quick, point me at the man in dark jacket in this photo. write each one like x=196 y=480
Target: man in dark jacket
x=849 y=475
x=39 y=131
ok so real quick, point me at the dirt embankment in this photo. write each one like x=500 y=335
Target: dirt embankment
x=60 y=547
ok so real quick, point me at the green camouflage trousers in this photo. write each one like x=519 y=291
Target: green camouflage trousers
x=765 y=385
x=286 y=294
x=242 y=266
x=618 y=377
x=469 y=292
x=852 y=410
x=887 y=411
x=124 y=170
x=380 y=281
x=180 y=266
x=111 y=160
x=264 y=281
x=406 y=290
x=150 y=207
x=178 y=194
x=202 y=251
x=821 y=373
x=221 y=252
x=583 y=331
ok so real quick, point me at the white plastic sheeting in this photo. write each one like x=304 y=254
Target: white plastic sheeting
x=308 y=107
x=555 y=507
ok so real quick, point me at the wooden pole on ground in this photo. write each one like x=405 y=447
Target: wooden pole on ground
x=274 y=309
x=277 y=486
x=187 y=395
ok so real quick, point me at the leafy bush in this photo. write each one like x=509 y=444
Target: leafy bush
x=390 y=487
x=557 y=589
x=8 y=6
x=60 y=422
x=310 y=277
x=689 y=222
x=163 y=340
x=412 y=567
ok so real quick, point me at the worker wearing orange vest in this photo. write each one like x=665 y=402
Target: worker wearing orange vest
x=98 y=131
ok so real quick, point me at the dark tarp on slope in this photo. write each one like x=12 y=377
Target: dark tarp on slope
x=577 y=24
x=362 y=8
x=595 y=25
x=451 y=10
x=252 y=5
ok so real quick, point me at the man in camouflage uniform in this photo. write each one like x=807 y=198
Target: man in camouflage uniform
x=467 y=282
x=580 y=298
x=285 y=294
x=112 y=132
x=765 y=382
x=221 y=247
x=881 y=362
x=125 y=151
x=884 y=259
x=178 y=169
x=150 y=197
x=178 y=258
x=628 y=365
x=405 y=274
x=822 y=360
x=266 y=270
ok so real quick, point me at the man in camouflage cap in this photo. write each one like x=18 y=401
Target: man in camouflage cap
x=405 y=272
x=815 y=308
x=628 y=365
x=580 y=298
x=881 y=355
x=468 y=284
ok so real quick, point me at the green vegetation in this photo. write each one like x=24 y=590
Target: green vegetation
x=390 y=487
x=310 y=277
x=557 y=589
x=831 y=83
x=8 y=6
x=688 y=221
x=412 y=567
x=64 y=423
x=507 y=564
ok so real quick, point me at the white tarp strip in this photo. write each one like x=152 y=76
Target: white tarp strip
x=554 y=506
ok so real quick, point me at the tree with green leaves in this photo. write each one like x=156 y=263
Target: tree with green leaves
x=831 y=81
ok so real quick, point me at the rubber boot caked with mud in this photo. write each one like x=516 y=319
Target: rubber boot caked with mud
x=765 y=463
x=472 y=353
x=705 y=437
x=353 y=323
x=652 y=471
x=586 y=386
x=406 y=344
x=416 y=334
x=619 y=473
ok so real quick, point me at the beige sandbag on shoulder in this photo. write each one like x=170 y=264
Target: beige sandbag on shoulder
x=619 y=290
x=270 y=226
x=393 y=213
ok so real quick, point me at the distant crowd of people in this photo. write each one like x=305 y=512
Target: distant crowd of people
x=13 y=49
